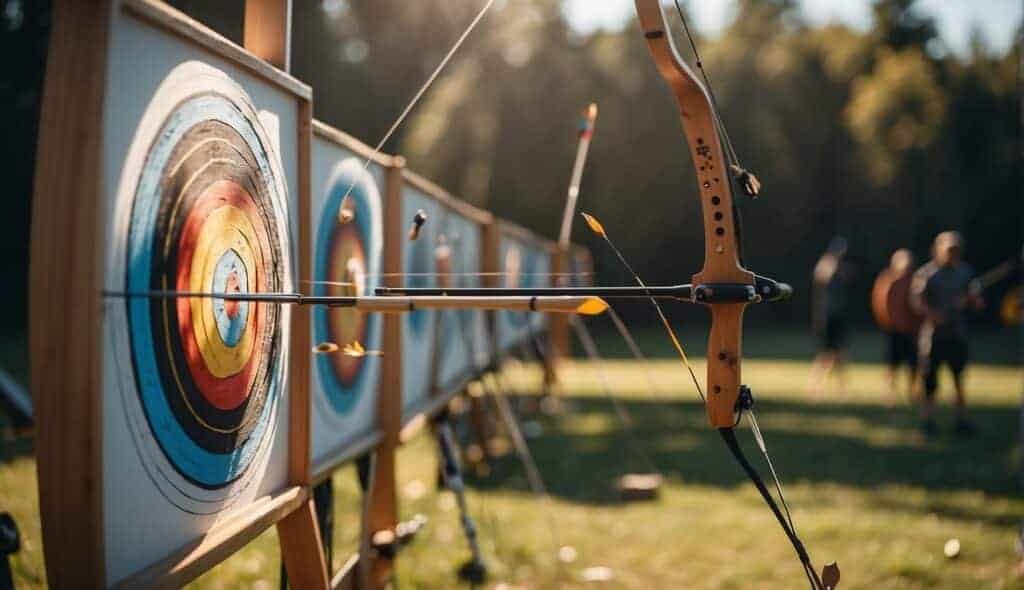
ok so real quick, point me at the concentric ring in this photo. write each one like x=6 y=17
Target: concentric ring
x=347 y=253
x=204 y=219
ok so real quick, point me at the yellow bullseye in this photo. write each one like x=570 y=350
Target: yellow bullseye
x=226 y=228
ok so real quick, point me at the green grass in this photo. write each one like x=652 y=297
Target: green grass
x=866 y=489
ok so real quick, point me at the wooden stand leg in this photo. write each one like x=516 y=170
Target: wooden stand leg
x=302 y=549
x=383 y=515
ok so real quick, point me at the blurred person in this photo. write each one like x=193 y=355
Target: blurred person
x=942 y=290
x=832 y=277
x=890 y=302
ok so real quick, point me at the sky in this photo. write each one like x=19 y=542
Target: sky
x=998 y=20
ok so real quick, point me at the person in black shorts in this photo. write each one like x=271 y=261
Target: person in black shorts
x=832 y=277
x=942 y=291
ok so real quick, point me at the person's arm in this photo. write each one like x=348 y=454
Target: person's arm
x=975 y=298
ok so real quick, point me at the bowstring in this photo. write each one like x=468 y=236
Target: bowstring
x=752 y=419
x=661 y=315
x=719 y=122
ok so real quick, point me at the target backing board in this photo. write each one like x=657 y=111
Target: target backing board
x=524 y=260
x=458 y=347
x=581 y=266
x=419 y=269
x=347 y=234
x=184 y=450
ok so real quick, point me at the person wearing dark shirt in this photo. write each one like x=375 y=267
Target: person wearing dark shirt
x=890 y=302
x=943 y=290
x=832 y=276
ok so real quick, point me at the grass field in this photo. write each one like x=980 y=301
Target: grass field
x=867 y=489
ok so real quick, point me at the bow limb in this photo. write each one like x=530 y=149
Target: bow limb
x=721 y=235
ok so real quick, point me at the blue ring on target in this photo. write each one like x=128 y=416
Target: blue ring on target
x=230 y=326
x=189 y=458
x=349 y=178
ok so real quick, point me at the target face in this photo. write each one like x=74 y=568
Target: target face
x=462 y=351
x=347 y=262
x=514 y=279
x=420 y=334
x=206 y=215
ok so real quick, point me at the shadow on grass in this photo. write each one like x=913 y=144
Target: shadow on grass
x=856 y=445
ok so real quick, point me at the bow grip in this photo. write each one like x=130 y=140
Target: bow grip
x=724 y=360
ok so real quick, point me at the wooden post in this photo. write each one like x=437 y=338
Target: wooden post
x=302 y=548
x=65 y=295
x=558 y=323
x=383 y=512
x=267 y=33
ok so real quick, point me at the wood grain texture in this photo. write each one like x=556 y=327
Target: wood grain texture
x=383 y=508
x=724 y=355
x=301 y=548
x=721 y=241
x=66 y=308
x=299 y=532
x=300 y=403
x=268 y=31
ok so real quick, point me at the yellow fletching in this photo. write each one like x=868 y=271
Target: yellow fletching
x=592 y=306
x=594 y=224
x=356 y=350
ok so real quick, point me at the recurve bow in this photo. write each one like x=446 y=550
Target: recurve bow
x=723 y=285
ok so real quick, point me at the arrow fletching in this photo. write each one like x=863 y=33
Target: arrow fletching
x=356 y=350
x=592 y=306
x=594 y=225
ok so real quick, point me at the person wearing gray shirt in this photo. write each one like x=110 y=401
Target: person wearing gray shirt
x=942 y=291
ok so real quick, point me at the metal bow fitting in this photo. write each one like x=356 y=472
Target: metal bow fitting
x=726 y=398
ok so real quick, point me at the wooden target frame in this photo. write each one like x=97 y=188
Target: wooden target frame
x=127 y=82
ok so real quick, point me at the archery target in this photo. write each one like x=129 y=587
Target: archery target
x=524 y=264
x=347 y=262
x=200 y=380
x=511 y=325
x=347 y=249
x=463 y=352
x=580 y=268
x=419 y=267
